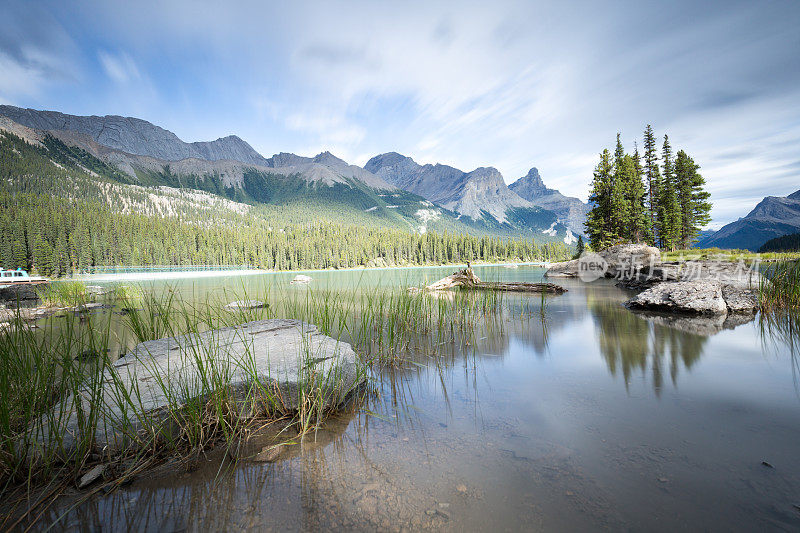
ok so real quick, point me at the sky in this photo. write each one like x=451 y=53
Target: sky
x=506 y=84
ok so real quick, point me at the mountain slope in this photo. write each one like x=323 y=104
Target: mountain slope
x=773 y=217
x=135 y=136
x=135 y=152
x=480 y=196
x=570 y=211
x=303 y=190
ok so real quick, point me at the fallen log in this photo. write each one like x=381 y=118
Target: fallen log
x=466 y=279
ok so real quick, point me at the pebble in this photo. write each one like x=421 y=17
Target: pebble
x=91 y=476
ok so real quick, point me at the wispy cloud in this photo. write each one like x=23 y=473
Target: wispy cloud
x=121 y=68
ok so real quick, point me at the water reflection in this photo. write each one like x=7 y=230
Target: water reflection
x=780 y=331
x=511 y=428
x=630 y=343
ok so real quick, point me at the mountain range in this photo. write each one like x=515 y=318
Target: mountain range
x=391 y=188
x=774 y=216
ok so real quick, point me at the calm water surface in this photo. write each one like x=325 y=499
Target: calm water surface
x=593 y=418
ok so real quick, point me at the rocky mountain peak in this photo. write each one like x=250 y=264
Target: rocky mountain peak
x=570 y=211
x=135 y=136
x=794 y=196
x=286 y=159
x=530 y=185
x=327 y=158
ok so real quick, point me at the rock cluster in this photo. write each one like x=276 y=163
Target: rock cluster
x=711 y=288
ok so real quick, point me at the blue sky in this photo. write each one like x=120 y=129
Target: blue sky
x=504 y=84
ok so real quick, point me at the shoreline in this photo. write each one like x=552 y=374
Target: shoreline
x=187 y=274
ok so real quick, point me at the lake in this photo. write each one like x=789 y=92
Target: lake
x=578 y=416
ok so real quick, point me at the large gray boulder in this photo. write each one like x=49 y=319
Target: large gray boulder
x=622 y=261
x=699 y=296
x=703 y=297
x=267 y=364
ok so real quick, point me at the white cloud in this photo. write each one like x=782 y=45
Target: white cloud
x=121 y=68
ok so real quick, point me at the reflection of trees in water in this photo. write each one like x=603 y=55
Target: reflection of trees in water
x=629 y=343
x=781 y=330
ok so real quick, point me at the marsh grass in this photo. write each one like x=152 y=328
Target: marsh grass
x=779 y=287
x=41 y=373
x=63 y=294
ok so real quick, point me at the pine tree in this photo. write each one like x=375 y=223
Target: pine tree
x=619 y=182
x=653 y=179
x=601 y=223
x=640 y=218
x=693 y=199
x=635 y=221
x=669 y=212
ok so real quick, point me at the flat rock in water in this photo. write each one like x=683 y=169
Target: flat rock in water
x=97 y=290
x=91 y=306
x=286 y=355
x=91 y=476
x=565 y=269
x=12 y=293
x=701 y=297
x=301 y=279
x=740 y=299
x=246 y=304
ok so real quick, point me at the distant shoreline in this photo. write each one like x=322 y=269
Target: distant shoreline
x=186 y=274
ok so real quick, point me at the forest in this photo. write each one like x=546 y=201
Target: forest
x=57 y=237
x=636 y=199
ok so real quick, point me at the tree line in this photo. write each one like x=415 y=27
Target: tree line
x=54 y=236
x=637 y=199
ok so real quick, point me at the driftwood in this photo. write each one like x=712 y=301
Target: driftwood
x=466 y=279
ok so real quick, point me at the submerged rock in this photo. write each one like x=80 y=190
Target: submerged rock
x=12 y=293
x=245 y=304
x=97 y=290
x=286 y=356
x=301 y=279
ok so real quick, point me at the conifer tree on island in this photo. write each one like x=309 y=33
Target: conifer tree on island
x=668 y=209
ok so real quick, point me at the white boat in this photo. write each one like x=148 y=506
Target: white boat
x=19 y=277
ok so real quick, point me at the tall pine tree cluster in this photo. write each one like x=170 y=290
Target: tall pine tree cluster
x=655 y=199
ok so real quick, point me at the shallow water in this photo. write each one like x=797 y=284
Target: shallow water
x=593 y=418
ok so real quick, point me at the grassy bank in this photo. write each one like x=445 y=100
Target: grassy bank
x=779 y=288
x=719 y=254
x=42 y=369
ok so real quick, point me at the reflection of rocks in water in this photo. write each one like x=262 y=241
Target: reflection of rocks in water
x=697 y=325
x=629 y=343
